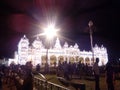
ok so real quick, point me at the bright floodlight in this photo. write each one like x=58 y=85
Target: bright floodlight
x=50 y=31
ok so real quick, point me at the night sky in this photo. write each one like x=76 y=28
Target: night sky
x=19 y=17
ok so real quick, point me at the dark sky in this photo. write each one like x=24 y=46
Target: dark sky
x=19 y=17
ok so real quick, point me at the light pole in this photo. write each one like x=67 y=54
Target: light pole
x=50 y=31
x=90 y=24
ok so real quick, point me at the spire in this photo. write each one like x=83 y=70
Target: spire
x=57 y=44
x=76 y=46
x=66 y=45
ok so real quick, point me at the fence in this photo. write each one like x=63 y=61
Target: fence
x=40 y=84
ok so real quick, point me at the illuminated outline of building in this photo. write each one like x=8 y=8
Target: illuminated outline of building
x=37 y=53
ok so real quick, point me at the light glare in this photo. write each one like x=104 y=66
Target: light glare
x=50 y=31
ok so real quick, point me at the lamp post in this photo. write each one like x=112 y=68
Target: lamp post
x=90 y=24
x=50 y=31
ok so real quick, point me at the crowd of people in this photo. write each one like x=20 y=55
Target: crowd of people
x=21 y=76
x=68 y=70
x=110 y=70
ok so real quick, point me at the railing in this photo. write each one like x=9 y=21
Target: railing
x=40 y=84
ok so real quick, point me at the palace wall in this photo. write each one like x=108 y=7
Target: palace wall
x=38 y=54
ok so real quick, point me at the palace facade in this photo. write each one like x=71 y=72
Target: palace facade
x=38 y=54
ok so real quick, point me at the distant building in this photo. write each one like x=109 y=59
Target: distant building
x=37 y=53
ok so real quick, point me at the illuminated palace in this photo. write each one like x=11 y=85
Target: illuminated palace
x=36 y=53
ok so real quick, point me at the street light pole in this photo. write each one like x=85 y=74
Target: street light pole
x=50 y=31
x=47 y=50
x=46 y=63
x=47 y=54
x=90 y=24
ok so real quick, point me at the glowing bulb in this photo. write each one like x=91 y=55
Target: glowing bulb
x=50 y=31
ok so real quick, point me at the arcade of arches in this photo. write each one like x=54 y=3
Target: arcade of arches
x=53 y=60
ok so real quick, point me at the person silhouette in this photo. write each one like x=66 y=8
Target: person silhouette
x=96 y=74
x=109 y=75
